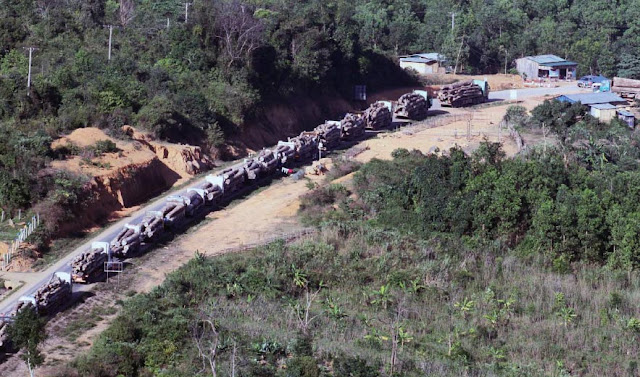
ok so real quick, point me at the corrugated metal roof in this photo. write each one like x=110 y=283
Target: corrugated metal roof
x=560 y=64
x=413 y=59
x=603 y=106
x=625 y=113
x=546 y=59
x=431 y=55
x=591 y=98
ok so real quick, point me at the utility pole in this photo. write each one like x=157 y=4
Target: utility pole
x=455 y=69
x=453 y=20
x=31 y=50
x=186 y=12
x=110 y=36
x=506 y=54
x=167 y=23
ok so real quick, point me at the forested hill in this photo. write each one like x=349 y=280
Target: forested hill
x=211 y=71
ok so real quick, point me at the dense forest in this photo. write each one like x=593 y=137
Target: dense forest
x=211 y=71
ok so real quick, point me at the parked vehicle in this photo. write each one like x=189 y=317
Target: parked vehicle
x=590 y=80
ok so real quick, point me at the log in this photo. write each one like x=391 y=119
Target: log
x=412 y=106
x=624 y=82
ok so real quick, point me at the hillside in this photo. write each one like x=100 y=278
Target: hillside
x=383 y=291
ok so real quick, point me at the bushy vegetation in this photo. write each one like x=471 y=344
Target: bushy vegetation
x=197 y=81
x=359 y=300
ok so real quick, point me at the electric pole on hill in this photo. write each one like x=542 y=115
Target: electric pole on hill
x=453 y=20
x=31 y=50
x=110 y=35
x=186 y=12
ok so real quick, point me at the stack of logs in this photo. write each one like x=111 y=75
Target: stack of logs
x=50 y=296
x=213 y=192
x=126 y=241
x=284 y=152
x=267 y=161
x=459 y=94
x=412 y=106
x=329 y=133
x=3 y=332
x=306 y=145
x=173 y=211
x=233 y=178
x=378 y=116
x=88 y=262
x=194 y=200
x=352 y=126
x=252 y=169
x=627 y=88
x=153 y=223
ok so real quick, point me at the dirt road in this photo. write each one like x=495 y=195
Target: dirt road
x=271 y=210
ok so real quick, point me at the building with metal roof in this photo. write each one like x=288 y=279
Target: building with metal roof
x=425 y=63
x=603 y=106
x=594 y=99
x=546 y=67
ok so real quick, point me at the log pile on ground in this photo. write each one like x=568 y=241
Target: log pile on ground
x=88 y=263
x=412 y=106
x=352 y=126
x=464 y=93
x=378 y=116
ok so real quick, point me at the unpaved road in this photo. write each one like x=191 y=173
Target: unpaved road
x=272 y=210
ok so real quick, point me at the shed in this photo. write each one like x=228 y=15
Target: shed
x=546 y=66
x=627 y=117
x=424 y=64
x=603 y=106
x=603 y=111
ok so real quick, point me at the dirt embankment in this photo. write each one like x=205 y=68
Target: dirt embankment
x=140 y=169
x=277 y=121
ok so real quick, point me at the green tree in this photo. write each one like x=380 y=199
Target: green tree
x=26 y=332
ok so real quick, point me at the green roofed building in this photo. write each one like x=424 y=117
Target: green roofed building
x=546 y=67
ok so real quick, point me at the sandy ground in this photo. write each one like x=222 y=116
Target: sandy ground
x=131 y=153
x=269 y=211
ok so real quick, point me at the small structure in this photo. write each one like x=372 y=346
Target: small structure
x=603 y=106
x=424 y=64
x=627 y=117
x=546 y=67
x=603 y=111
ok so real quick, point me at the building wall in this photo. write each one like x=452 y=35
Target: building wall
x=421 y=68
x=604 y=115
x=527 y=68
